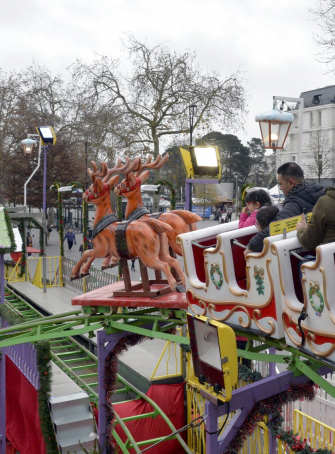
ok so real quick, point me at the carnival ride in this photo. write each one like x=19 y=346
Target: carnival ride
x=260 y=297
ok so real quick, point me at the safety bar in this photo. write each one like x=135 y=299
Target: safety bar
x=243 y=246
x=201 y=246
x=300 y=257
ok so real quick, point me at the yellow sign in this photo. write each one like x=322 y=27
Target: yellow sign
x=277 y=227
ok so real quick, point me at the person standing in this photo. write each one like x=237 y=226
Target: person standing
x=29 y=242
x=71 y=238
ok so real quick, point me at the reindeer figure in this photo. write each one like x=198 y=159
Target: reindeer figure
x=136 y=173
x=143 y=238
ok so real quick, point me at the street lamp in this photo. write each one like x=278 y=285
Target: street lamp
x=237 y=197
x=46 y=136
x=275 y=125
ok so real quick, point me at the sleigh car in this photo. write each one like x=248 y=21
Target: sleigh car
x=314 y=293
x=223 y=285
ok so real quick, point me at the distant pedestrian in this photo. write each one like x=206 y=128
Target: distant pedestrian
x=49 y=230
x=133 y=265
x=29 y=242
x=71 y=238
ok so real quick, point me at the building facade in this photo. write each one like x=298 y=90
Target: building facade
x=318 y=143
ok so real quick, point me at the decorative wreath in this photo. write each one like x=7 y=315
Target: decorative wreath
x=314 y=288
x=215 y=269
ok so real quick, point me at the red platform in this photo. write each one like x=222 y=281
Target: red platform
x=104 y=297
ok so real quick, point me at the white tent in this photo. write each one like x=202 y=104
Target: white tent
x=274 y=190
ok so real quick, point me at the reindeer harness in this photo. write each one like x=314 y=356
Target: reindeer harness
x=103 y=223
x=129 y=188
x=97 y=194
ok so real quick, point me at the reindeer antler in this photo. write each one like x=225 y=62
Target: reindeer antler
x=97 y=173
x=117 y=169
x=132 y=166
x=157 y=164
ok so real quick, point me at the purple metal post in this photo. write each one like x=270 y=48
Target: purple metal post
x=3 y=401
x=106 y=344
x=272 y=372
x=2 y=278
x=44 y=219
x=188 y=190
x=188 y=195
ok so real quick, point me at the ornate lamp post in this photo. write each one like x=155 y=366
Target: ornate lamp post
x=46 y=136
x=275 y=124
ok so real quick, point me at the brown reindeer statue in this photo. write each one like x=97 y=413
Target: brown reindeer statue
x=143 y=239
x=136 y=173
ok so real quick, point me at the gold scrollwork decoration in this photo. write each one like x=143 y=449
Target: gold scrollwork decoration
x=286 y=328
x=311 y=338
x=212 y=308
x=257 y=313
x=199 y=304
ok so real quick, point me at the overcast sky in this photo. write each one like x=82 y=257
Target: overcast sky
x=270 y=40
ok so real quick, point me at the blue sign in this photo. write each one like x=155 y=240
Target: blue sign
x=197 y=209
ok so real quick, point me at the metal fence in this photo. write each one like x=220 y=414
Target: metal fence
x=97 y=278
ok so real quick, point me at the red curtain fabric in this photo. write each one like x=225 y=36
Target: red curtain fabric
x=170 y=398
x=22 y=422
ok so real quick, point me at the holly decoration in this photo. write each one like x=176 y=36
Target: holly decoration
x=259 y=276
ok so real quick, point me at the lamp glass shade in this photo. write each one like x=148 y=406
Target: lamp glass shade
x=28 y=145
x=274 y=134
x=208 y=350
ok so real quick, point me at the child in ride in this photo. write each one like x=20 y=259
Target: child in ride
x=255 y=200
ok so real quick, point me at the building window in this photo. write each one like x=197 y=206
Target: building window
x=294 y=158
x=320 y=164
x=320 y=118
x=311 y=119
x=316 y=100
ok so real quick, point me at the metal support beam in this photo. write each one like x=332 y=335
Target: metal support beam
x=3 y=401
x=250 y=394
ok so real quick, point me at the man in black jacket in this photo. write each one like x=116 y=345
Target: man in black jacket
x=299 y=195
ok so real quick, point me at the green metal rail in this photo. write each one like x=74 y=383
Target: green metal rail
x=79 y=363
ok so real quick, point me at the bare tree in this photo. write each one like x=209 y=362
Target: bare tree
x=324 y=12
x=319 y=162
x=155 y=98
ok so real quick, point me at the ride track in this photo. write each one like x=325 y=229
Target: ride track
x=67 y=352
x=60 y=329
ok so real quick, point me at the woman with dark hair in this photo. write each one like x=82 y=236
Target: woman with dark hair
x=254 y=200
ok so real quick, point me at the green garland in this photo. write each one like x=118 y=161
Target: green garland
x=43 y=358
x=12 y=247
x=172 y=190
x=60 y=224
x=11 y=317
x=44 y=369
x=119 y=216
x=24 y=249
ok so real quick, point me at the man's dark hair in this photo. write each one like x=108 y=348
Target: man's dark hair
x=291 y=170
x=266 y=215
